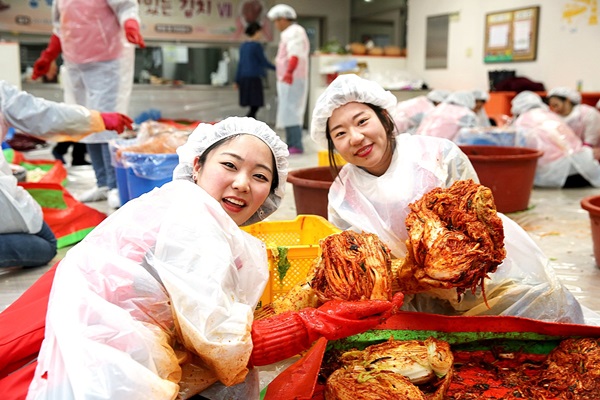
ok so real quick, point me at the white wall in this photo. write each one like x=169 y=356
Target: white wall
x=11 y=63
x=336 y=14
x=567 y=51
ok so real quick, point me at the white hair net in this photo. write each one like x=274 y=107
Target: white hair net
x=573 y=95
x=481 y=95
x=461 y=98
x=526 y=101
x=281 y=11
x=437 y=95
x=345 y=89
x=205 y=135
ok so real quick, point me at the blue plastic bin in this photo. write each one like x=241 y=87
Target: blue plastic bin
x=121 y=173
x=120 y=168
x=482 y=137
x=148 y=171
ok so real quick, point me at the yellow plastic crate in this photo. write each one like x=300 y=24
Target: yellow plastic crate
x=294 y=241
x=324 y=159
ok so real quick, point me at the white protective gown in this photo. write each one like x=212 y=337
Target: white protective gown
x=483 y=120
x=291 y=104
x=98 y=60
x=408 y=114
x=523 y=285
x=564 y=153
x=43 y=118
x=20 y=212
x=168 y=267
x=446 y=120
x=585 y=122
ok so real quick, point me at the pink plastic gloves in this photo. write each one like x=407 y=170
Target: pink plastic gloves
x=116 y=122
x=132 y=33
x=289 y=74
x=42 y=64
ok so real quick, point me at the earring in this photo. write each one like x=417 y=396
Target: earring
x=195 y=177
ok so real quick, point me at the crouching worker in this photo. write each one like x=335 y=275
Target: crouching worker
x=386 y=173
x=157 y=302
x=25 y=239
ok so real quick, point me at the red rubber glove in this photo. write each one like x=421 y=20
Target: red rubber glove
x=42 y=64
x=284 y=335
x=132 y=32
x=289 y=74
x=116 y=122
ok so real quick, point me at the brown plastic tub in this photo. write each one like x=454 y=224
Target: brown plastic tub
x=591 y=204
x=508 y=171
x=311 y=187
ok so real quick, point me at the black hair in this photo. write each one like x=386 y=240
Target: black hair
x=202 y=159
x=252 y=28
x=388 y=125
x=561 y=98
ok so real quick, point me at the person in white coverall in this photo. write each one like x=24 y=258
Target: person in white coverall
x=436 y=96
x=385 y=172
x=409 y=113
x=157 y=301
x=25 y=239
x=481 y=97
x=582 y=118
x=450 y=116
x=99 y=63
x=291 y=63
x=566 y=161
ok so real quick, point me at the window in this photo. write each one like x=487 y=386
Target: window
x=436 y=45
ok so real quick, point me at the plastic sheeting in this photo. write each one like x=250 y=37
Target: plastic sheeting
x=488 y=137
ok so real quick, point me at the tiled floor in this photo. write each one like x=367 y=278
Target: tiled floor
x=555 y=221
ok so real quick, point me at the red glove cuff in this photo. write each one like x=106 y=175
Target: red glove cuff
x=116 y=122
x=131 y=25
x=54 y=48
x=52 y=51
x=277 y=338
x=132 y=32
x=292 y=64
x=287 y=334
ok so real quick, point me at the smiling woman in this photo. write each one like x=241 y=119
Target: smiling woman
x=243 y=178
x=160 y=296
x=359 y=135
x=387 y=173
x=169 y=277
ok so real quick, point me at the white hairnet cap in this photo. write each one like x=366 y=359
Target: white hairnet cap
x=462 y=98
x=281 y=11
x=573 y=95
x=437 y=95
x=345 y=89
x=526 y=101
x=205 y=135
x=481 y=95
